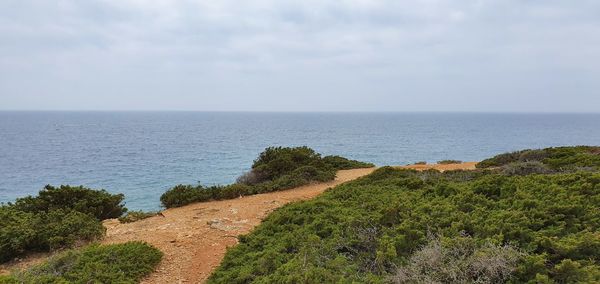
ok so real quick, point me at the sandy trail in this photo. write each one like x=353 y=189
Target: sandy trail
x=194 y=238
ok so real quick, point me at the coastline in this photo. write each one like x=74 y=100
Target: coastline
x=195 y=238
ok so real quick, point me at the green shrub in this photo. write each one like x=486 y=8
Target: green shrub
x=180 y=195
x=21 y=232
x=277 y=168
x=234 y=191
x=446 y=162
x=311 y=173
x=98 y=203
x=59 y=217
x=118 y=263
x=275 y=162
x=63 y=229
x=558 y=158
x=341 y=163
x=136 y=215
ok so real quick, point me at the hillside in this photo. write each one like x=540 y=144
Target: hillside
x=195 y=238
x=523 y=220
x=526 y=216
x=63 y=221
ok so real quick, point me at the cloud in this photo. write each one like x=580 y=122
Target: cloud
x=300 y=55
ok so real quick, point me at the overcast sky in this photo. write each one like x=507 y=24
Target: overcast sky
x=306 y=55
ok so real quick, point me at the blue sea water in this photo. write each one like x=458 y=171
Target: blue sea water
x=142 y=154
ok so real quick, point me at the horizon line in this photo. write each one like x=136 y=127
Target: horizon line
x=303 y=111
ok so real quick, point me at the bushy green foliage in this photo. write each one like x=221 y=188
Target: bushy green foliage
x=118 y=263
x=136 y=215
x=97 y=203
x=181 y=195
x=341 y=163
x=184 y=194
x=364 y=230
x=21 y=232
x=446 y=162
x=56 y=218
x=277 y=168
x=276 y=162
x=558 y=158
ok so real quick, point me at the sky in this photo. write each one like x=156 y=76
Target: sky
x=306 y=55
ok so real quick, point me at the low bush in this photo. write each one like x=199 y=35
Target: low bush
x=558 y=158
x=446 y=162
x=277 y=168
x=276 y=162
x=59 y=217
x=181 y=195
x=21 y=232
x=232 y=191
x=341 y=163
x=118 y=263
x=98 y=203
x=133 y=216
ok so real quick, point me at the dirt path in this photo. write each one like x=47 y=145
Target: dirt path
x=194 y=238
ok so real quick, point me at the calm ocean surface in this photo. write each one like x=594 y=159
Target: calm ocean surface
x=142 y=154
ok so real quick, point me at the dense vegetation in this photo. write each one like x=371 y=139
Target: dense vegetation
x=555 y=159
x=58 y=217
x=490 y=226
x=119 y=263
x=96 y=203
x=277 y=168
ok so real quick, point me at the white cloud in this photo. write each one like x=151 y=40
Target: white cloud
x=320 y=55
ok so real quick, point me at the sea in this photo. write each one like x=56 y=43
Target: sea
x=143 y=154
